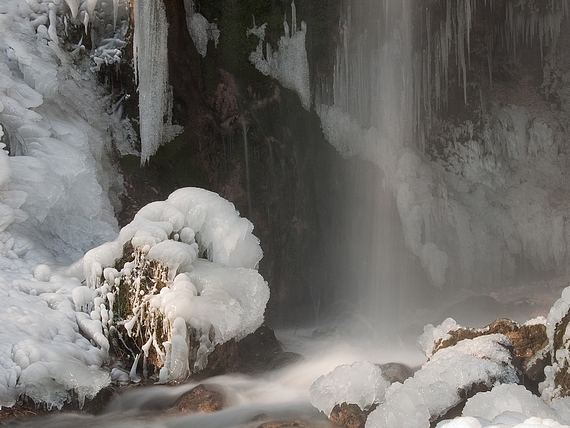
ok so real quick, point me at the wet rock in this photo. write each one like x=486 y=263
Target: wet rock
x=224 y=359
x=289 y=424
x=557 y=382
x=262 y=351
x=396 y=372
x=198 y=399
x=349 y=415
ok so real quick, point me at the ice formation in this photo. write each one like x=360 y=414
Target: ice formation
x=359 y=383
x=150 y=51
x=288 y=64
x=204 y=280
x=507 y=406
x=56 y=192
x=200 y=29
x=67 y=203
x=434 y=389
x=559 y=346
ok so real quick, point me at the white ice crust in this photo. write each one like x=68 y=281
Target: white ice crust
x=288 y=64
x=200 y=29
x=150 y=53
x=358 y=383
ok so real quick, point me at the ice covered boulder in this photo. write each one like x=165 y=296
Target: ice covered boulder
x=557 y=382
x=360 y=383
x=444 y=381
x=529 y=342
x=180 y=279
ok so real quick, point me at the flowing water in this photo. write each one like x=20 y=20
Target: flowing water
x=278 y=395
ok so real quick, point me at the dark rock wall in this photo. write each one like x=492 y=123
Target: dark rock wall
x=249 y=139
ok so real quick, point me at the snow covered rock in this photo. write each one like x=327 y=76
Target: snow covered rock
x=450 y=376
x=179 y=279
x=529 y=342
x=360 y=383
x=557 y=382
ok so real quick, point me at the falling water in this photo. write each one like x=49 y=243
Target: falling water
x=245 y=129
x=372 y=116
x=416 y=224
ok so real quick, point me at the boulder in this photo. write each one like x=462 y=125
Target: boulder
x=529 y=346
x=261 y=351
x=349 y=415
x=198 y=399
x=396 y=372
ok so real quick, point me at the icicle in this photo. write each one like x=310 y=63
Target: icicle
x=115 y=12
x=151 y=68
x=293 y=18
x=133 y=373
x=73 y=7
x=490 y=58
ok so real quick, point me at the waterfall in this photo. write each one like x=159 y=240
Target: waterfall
x=403 y=78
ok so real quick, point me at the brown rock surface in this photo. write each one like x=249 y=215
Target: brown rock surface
x=349 y=415
x=198 y=399
x=529 y=344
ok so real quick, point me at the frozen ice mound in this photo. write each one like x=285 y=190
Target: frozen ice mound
x=190 y=259
x=508 y=398
x=43 y=355
x=200 y=29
